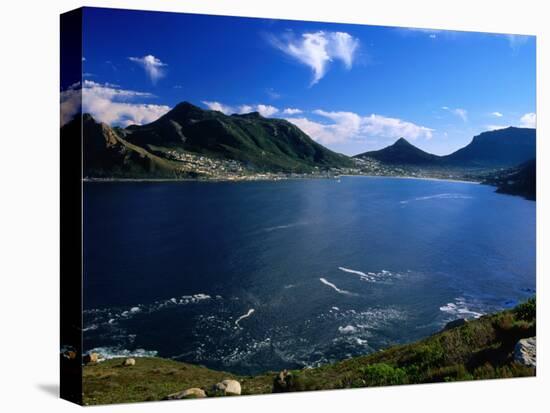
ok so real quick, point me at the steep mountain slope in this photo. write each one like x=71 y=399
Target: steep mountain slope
x=520 y=180
x=107 y=155
x=260 y=143
x=401 y=153
x=499 y=148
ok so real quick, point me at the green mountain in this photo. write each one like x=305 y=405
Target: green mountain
x=499 y=148
x=520 y=180
x=262 y=144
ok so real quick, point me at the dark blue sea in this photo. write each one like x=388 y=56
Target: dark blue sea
x=256 y=276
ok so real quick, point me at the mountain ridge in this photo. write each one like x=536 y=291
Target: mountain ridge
x=491 y=149
x=262 y=143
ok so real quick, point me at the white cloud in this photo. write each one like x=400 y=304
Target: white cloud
x=264 y=110
x=495 y=127
x=292 y=111
x=461 y=113
x=529 y=120
x=497 y=114
x=109 y=103
x=152 y=66
x=71 y=101
x=346 y=126
x=318 y=49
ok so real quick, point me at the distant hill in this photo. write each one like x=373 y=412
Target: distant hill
x=520 y=180
x=494 y=149
x=260 y=143
x=401 y=153
x=499 y=148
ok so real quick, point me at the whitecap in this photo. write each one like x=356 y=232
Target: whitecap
x=107 y=353
x=334 y=287
x=349 y=329
x=460 y=308
x=248 y=314
x=437 y=196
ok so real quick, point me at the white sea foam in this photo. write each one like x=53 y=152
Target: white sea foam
x=347 y=329
x=438 y=196
x=248 y=314
x=460 y=308
x=331 y=285
x=373 y=277
x=106 y=353
x=113 y=315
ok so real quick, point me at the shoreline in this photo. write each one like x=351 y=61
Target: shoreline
x=273 y=179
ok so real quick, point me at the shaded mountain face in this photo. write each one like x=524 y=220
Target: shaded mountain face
x=401 y=153
x=107 y=155
x=500 y=148
x=520 y=180
x=260 y=143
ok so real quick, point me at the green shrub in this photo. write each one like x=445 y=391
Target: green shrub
x=382 y=374
x=527 y=311
x=428 y=354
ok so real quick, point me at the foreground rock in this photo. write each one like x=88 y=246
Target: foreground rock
x=193 y=393
x=525 y=352
x=90 y=358
x=129 y=362
x=228 y=387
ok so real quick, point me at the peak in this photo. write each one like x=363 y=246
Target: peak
x=402 y=141
x=86 y=117
x=186 y=106
x=252 y=115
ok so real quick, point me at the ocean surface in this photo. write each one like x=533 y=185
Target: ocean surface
x=256 y=276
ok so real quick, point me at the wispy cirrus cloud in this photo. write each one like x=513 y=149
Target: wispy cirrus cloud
x=152 y=65
x=460 y=112
x=347 y=126
x=497 y=114
x=264 y=110
x=317 y=49
x=109 y=103
x=517 y=40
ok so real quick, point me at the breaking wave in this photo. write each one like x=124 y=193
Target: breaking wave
x=335 y=288
x=461 y=308
x=248 y=314
x=438 y=196
x=373 y=277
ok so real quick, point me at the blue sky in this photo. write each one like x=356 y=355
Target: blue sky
x=351 y=87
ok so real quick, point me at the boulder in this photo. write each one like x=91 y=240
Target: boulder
x=129 y=362
x=454 y=324
x=193 y=393
x=90 y=358
x=228 y=387
x=525 y=352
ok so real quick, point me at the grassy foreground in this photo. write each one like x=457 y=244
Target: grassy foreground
x=479 y=349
